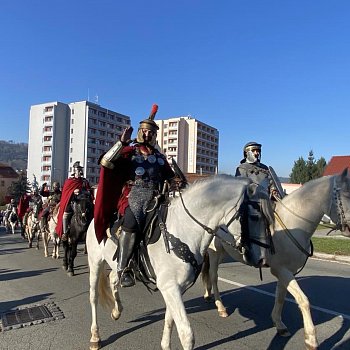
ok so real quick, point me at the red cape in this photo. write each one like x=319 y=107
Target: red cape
x=69 y=186
x=23 y=205
x=108 y=192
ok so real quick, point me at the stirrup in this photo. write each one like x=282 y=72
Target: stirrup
x=127 y=278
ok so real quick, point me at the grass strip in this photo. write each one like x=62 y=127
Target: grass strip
x=330 y=245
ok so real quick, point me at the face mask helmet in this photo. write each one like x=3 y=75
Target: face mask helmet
x=248 y=153
x=56 y=186
x=148 y=124
x=77 y=169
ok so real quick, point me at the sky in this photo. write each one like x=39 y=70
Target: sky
x=270 y=71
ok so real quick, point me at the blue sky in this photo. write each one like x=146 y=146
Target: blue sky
x=276 y=72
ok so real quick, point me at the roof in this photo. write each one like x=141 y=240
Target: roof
x=192 y=177
x=336 y=165
x=7 y=172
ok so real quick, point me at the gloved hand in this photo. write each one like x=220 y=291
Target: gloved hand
x=126 y=135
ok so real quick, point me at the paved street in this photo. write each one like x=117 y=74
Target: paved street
x=27 y=279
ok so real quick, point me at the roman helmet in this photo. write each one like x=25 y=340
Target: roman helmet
x=77 y=169
x=248 y=154
x=55 y=186
x=149 y=124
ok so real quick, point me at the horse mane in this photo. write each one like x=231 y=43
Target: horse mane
x=213 y=187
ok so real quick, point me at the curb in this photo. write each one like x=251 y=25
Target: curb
x=339 y=258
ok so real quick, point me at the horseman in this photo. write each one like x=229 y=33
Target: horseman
x=53 y=196
x=72 y=187
x=250 y=166
x=132 y=174
x=10 y=205
x=23 y=208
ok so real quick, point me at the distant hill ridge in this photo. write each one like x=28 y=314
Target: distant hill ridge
x=14 y=154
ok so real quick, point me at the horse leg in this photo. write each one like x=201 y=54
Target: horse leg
x=46 y=237
x=72 y=255
x=96 y=270
x=38 y=234
x=276 y=315
x=65 y=255
x=30 y=237
x=176 y=311
x=168 y=329
x=215 y=259
x=118 y=307
x=288 y=280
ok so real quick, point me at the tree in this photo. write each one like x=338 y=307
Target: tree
x=304 y=171
x=20 y=187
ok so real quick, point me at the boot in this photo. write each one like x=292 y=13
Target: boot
x=65 y=224
x=125 y=249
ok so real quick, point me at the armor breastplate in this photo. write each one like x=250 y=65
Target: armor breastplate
x=147 y=167
x=256 y=174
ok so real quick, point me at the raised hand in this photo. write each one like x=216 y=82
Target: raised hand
x=126 y=135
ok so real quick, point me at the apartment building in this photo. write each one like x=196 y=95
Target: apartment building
x=61 y=134
x=193 y=144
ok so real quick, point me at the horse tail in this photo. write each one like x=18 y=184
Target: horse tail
x=104 y=290
x=205 y=269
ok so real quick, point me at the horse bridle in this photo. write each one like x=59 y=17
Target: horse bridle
x=206 y=228
x=341 y=224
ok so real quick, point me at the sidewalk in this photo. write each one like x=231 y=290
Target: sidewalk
x=331 y=257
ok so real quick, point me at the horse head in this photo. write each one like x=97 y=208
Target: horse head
x=83 y=208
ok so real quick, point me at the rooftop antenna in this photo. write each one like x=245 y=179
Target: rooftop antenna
x=88 y=95
x=96 y=99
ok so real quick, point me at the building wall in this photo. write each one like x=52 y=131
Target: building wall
x=61 y=134
x=193 y=144
x=47 y=142
x=5 y=184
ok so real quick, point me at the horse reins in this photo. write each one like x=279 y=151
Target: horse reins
x=206 y=228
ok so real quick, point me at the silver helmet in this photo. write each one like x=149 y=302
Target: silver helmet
x=248 y=153
x=77 y=169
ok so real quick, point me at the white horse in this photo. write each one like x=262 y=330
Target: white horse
x=190 y=226
x=12 y=220
x=49 y=233
x=297 y=217
x=33 y=228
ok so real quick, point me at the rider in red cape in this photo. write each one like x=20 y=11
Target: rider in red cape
x=132 y=174
x=76 y=182
x=108 y=192
x=23 y=205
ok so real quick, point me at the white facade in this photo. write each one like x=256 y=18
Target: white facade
x=193 y=144
x=61 y=134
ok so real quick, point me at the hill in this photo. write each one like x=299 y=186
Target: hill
x=14 y=154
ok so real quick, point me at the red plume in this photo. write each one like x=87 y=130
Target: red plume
x=153 y=112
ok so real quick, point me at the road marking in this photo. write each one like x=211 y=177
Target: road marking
x=327 y=311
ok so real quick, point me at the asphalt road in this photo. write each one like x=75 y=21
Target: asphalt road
x=29 y=279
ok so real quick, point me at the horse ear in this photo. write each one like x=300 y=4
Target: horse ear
x=344 y=173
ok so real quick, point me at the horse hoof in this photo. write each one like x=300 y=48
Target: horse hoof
x=208 y=299
x=95 y=345
x=223 y=313
x=70 y=273
x=115 y=315
x=65 y=267
x=283 y=332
